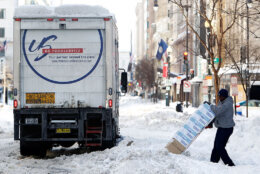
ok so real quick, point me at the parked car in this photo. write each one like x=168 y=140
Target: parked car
x=252 y=104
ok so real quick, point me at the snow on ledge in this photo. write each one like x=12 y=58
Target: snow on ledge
x=81 y=11
x=32 y=11
x=35 y=11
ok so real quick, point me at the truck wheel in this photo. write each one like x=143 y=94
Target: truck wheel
x=40 y=150
x=25 y=148
x=112 y=143
x=28 y=148
x=114 y=135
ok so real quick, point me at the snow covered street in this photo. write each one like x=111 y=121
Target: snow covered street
x=146 y=128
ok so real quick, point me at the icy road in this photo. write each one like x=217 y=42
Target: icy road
x=146 y=128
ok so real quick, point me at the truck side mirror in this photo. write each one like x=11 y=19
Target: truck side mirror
x=124 y=82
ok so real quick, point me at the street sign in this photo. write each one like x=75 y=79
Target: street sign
x=209 y=80
x=178 y=89
x=186 y=86
x=216 y=60
x=233 y=80
x=205 y=90
x=165 y=69
x=167 y=82
x=205 y=82
x=234 y=87
x=178 y=80
x=205 y=87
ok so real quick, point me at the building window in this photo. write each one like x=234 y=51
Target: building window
x=2 y=13
x=2 y=32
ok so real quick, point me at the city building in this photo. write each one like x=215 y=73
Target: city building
x=6 y=46
x=140 y=30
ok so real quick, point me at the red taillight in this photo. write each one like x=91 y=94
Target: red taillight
x=110 y=103
x=75 y=19
x=15 y=103
x=17 y=19
x=49 y=19
x=106 y=19
x=100 y=107
x=62 y=19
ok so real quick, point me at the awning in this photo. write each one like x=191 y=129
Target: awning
x=172 y=74
x=196 y=79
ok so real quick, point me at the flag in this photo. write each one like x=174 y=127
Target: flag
x=161 y=49
x=2 y=47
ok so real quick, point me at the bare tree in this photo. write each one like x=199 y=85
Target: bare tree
x=145 y=73
x=215 y=13
x=244 y=58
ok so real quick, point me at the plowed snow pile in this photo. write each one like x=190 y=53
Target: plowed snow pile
x=145 y=128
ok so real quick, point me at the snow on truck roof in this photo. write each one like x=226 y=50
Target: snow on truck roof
x=35 y=11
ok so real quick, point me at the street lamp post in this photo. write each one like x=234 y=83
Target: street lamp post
x=186 y=62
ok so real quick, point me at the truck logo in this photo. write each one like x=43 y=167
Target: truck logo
x=45 y=46
x=41 y=46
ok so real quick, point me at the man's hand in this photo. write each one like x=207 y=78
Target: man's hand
x=210 y=125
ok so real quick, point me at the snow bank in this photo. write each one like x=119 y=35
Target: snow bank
x=33 y=11
x=6 y=119
x=146 y=129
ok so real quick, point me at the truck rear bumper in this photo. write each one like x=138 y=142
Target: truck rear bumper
x=52 y=122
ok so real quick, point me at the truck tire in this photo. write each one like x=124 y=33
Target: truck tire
x=40 y=150
x=28 y=148
x=25 y=148
x=112 y=142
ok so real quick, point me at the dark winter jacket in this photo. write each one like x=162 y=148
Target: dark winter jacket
x=224 y=113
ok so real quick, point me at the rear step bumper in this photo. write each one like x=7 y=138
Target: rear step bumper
x=89 y=125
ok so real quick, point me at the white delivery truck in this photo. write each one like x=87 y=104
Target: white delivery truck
x=66 y=78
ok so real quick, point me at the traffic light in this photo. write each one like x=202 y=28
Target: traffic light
x=185 y=55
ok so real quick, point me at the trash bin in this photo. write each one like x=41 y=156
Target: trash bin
x=179 y=107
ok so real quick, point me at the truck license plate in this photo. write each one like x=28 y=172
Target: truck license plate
x=63 y=131
x=40 y=98
x=31 y=121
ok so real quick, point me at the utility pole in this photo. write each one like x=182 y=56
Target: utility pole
x=186 y=62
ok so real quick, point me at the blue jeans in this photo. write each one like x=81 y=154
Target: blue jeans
x=219 y=150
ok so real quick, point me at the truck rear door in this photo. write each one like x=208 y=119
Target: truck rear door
x=62 y=67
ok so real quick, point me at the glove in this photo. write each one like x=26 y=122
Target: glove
x=210 y=125
x=206 y=102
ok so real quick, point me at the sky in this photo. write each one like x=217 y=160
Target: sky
x=124 y=11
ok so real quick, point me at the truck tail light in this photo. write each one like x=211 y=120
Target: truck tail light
x=17 y=19
x=15 y=103
x=75 y=19
x=110 y=103
x=106 y=19
x=62 y=19
x=49 y=19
